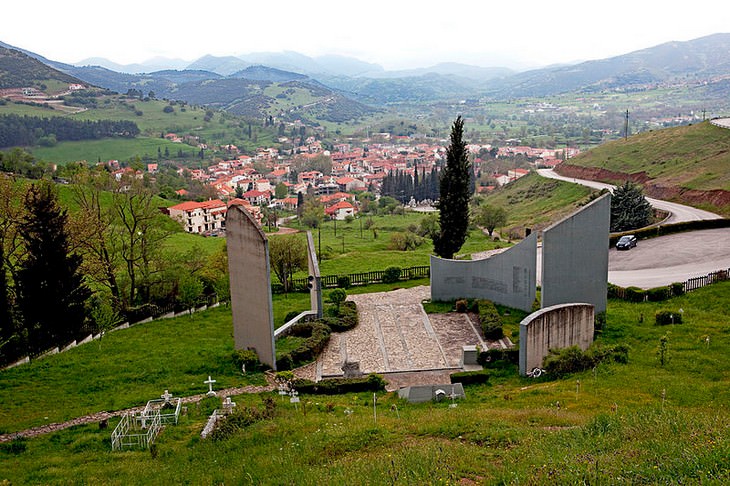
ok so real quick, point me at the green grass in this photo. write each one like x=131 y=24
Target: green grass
x=694 y=157
x=536 y=202
x=633 y=423
x=367 y=252
x=105 y=149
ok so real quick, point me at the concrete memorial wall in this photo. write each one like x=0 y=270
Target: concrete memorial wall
x=315 y=279
x=507 y=278
x=575 y=257
x=248 y=265
x=555 y=327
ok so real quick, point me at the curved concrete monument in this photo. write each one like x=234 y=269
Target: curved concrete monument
x=506 y=279
x=248 y=266
x=575 y=257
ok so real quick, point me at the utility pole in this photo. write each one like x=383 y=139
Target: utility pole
x=703 y=115
x=626 y=126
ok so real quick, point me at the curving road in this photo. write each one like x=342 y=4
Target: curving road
x=660 y=261
x=679 y=212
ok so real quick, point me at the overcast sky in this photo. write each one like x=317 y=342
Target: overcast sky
x=393 y=33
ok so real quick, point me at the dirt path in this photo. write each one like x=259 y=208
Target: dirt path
x=99 y=416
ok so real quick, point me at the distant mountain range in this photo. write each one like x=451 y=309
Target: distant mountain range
x=231 y=82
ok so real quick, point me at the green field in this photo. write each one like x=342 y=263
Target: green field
x=635 y=423
x=693 y=157
x=536 y=202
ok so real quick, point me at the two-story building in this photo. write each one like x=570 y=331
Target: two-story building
x=200 y=217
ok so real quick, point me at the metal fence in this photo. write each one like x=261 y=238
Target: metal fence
x=710 y=278
x=136 y=431
x=364 y=278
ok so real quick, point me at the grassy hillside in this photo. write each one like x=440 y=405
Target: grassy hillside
x=693 y=157
x=536 y=202
x=635 y=423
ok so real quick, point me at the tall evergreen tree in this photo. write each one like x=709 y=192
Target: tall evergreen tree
x=629 y=208
x=52 y=291
x=453 y=202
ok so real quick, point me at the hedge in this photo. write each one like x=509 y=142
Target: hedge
x=471 y=377
x=336 y=386
x=490 y=320
x=493 y=358
x=317 y=334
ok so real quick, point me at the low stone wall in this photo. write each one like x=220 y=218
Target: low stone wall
x=555 y=327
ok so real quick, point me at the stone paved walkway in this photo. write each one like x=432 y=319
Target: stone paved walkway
x=395 y=335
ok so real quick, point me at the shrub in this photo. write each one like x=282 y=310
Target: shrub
x=495 y=358
x=572 y=359
x=490 y=320
x=658 y=294
x=343 y=281
x=337 y=297
x=243 y=417
x=247 y=357
x=290 y=315
x=635 y=294
x=470 y=377
x=317 y=335
x=614 y=291
x=391 y=275
x=664 y=317
x=473 y=306
x=461 y=306
x=336 y=386
x=345 y=319
x=677 y=288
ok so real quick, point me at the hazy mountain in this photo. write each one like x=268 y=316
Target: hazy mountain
x=450 y=68
x=265 y=73
x=347 y=66
x=224 y=66
x=694 y=59
x=148 y=66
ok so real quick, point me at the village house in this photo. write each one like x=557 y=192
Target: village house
x=340 y=211
x=200 y=217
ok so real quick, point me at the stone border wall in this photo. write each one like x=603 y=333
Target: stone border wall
x=559 y=326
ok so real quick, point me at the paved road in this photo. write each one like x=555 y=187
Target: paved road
x=679 y=212
x=673 y=258
x=661 y=261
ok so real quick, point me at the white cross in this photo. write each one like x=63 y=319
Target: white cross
x=228 y=404
x=166 y=396
x=210 y=382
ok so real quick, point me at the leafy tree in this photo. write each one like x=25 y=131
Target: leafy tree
x=52 y=291
x=490 y=217
x=239 y=191
x=11 y=211
x=629 y=208
x=287 y=255
x=280 y=191
x=139 y=234
x=92 y=231
x=453 y=203
x=313 y=213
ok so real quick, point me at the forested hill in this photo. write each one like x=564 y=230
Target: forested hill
x=16 y=130
x=18 y=70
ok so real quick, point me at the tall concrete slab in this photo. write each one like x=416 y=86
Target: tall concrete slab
x=315 y=279
x=248 y=266
x=575 y=257
x=554 y=327
x=507 y=278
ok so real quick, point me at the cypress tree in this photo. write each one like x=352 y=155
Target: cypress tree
x=52 y=291
x=453 y=202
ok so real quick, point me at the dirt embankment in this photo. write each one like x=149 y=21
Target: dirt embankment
x=719 y=199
